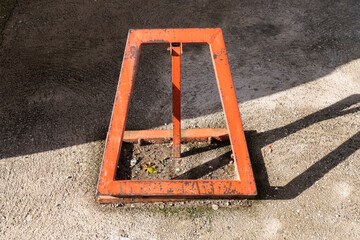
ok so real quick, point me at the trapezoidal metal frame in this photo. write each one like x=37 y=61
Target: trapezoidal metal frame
x=122 y=191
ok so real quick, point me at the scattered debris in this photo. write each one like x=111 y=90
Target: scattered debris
x=151 y=170
x=154 y=162
x=133 y=162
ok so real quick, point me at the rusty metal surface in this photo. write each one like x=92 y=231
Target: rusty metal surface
x=176 y=52
x=187 y=135
x=244 y=185
x=150 y=190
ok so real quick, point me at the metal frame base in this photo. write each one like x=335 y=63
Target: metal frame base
x=123 y=191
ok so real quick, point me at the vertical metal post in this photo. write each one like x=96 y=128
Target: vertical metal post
x=176 y=52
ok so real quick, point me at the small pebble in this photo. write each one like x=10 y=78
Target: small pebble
x=133 y=162
x=215 y=207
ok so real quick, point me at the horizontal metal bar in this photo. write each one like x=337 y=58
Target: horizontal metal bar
x=179 y=188
x=152 y=199
x=187 y=135
x=113 y=200
x=182 y=35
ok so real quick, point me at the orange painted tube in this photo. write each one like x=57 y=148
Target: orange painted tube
x=176 y=49
x=187 y=135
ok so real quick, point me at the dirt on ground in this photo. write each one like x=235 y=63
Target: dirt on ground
x=296 y=72
x=156 y=162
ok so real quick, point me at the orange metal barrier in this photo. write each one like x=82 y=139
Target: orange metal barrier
x=115 y=191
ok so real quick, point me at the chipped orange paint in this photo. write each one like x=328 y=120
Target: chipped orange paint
x=187 y=135
x=111 y=190
x=176 y=52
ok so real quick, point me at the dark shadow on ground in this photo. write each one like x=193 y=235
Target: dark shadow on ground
x=60 y=62
x=206 y=168
x=314 y=173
